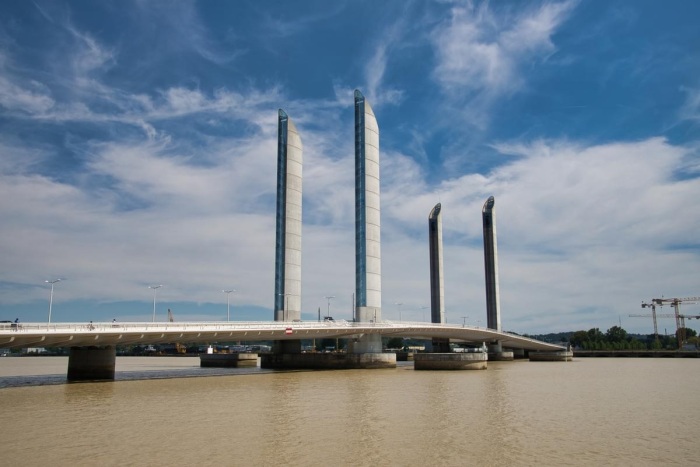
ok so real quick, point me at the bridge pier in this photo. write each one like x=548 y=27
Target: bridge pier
x=363 y=353
x=555 y=356
x=286 y=347
x=92 y=363
x=450 y=361
x=497 y=354
x=441 y=345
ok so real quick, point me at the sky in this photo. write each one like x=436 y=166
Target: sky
x=138 y=148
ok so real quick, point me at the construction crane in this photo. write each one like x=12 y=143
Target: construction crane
x=653 y=315
x=179 y=348
x=680 y=319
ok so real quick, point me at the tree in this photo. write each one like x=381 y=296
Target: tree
x=616 y=334
x=579 y=338
x=594 y=335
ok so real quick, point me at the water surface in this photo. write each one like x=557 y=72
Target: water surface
x=585 y=412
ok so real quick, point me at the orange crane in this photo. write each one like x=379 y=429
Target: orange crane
x=680 y=319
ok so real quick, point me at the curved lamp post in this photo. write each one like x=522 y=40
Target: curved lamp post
x=425 y=308
x=155 y=290
x=399 y=306
x=51 y=296
x=228 y=308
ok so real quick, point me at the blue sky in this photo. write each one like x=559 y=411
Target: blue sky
x=138 y=139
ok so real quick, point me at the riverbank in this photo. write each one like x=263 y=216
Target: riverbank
x=637 y=353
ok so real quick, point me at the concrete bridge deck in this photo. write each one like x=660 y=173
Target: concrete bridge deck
x=26 y=335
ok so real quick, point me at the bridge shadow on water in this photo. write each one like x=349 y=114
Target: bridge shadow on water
x=161 y=373
x=54 y=379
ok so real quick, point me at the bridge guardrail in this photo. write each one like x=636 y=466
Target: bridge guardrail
x=104 y=326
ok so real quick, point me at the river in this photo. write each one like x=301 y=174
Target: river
x=168 y=411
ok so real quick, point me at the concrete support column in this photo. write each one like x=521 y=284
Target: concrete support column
x=369 y=343
x=441 y=345
x=493 y=312
x=91 y=363
x=288 y=232
x=496 y=353
x=495 y=347
x=437 y=282
x=291 y=346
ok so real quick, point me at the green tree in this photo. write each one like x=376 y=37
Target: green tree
x=594 y=335
x=616 y=334
x=579 y=338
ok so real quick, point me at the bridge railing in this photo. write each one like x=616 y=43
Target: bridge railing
x=209 y=326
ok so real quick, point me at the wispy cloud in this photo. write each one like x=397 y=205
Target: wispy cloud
x=117 y=178
x=378 y=92
x=32 y=98
x=691 y=108
x=566 y=214
x=181 y=30
x=481 y=52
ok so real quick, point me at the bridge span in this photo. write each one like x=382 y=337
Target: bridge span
x=24 y=335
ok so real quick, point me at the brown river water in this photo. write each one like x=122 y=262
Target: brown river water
x=165 y=411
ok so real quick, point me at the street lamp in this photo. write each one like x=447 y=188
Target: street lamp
x=228 y=309
x=284 y=310
x=51 y=296
x=464 y=320
x=328 y=313
x=399 y=306
x=424 y=308
x=155 y=290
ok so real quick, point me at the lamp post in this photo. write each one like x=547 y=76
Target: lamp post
x=155 y=290
x=399 y=307
x=228 y=303
x=51 y=296
x=328 y=313
x=284 y=310
x=464 y=320
x=424 y=308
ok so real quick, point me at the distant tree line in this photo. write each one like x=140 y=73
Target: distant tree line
x=616 y=338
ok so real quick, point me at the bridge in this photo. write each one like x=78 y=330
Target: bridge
x=93 y=345
x=25 y=335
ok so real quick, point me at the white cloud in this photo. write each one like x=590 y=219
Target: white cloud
x=377 y=91
x=32 y=99
x=479 y=51
x=89 y=55
x=584 y=231
x=585 y=234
